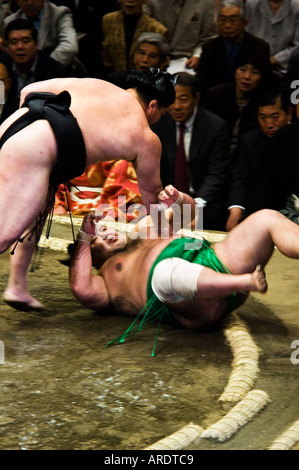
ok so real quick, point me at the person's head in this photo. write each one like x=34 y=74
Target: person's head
x=251 y=72
x=21 y=41
x=151 y=50
x=274 y=111
x=131 y=7
x=5 y=79
x=231 y=20
x=31 y=8
x=155 y=89
x=107 y=243
x=186 y=98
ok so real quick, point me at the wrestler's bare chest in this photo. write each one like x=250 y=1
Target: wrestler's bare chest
x=126 y=273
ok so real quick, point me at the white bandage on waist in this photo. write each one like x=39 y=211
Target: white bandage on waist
x=175 y=279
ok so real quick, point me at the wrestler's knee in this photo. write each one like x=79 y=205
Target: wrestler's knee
x=175 y=279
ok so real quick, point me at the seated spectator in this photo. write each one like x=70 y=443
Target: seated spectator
x=102 y=184
x=25 y=63
x=218 y=58
x=205 y=147
x=120 y=31
x=4 y=12
x=259 y=180
x=277 y=23
x=88 y=23
x=237 y=102
x=5 y=83
x=190 y=23
x=56 y=33
x=151 y=50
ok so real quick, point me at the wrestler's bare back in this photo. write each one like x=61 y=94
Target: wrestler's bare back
x=112 y=121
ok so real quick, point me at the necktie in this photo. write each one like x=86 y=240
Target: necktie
x=181 y=178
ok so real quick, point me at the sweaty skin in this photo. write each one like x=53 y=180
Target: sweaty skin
x=114 y=124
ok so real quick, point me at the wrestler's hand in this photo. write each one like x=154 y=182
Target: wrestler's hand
x=89 y=223
x=169 y=195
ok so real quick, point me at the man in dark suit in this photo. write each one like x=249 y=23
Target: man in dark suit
x=217 y=61
x=262 y=176
x=206 y=146
x=25 y=63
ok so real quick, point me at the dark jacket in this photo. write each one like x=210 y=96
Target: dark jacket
x=213 y=64
x=46 y=68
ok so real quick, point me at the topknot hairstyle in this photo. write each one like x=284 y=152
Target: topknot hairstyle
x=152 y=84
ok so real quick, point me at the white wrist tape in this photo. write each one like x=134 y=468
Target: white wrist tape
x=84 y=237
x=175 y=279
x=180 y=198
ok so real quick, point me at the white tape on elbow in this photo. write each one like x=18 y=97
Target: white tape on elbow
x=175 y=279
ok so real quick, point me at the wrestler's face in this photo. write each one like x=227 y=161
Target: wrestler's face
x=272 y=117
x=154 y=112
x=107 y=242
x=31 y=8
x=21 y=47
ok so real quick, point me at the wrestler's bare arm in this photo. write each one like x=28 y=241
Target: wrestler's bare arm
x=169 y=196
x=89 y=289
x=147 y=165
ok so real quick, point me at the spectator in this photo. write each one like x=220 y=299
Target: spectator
x=5 y=83
x=120 y=31
x=190 y=23
x=151 y=50
x=259 y=175
x=25 y=63
x=218 y=58
x=237 y=102
x=277 y=22
x=88 y=23
x=56 y=33
x=4 y=12
x=206 y=151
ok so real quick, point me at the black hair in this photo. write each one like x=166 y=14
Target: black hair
x=186 y=79
x=270 y=97
x=19 y=24
x=152 y=84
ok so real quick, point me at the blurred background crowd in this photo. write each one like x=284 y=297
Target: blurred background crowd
x=230 y=137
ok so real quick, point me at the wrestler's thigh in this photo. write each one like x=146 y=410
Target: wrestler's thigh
x=25 y=164
x=199 y=314
x=247 y=245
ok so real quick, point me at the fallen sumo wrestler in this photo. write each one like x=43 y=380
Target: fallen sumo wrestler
x=62 y=127
x=164 y=280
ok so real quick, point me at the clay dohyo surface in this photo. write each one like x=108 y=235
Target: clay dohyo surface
x=62 y=388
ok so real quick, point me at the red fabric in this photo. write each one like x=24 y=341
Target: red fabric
x=116 y=178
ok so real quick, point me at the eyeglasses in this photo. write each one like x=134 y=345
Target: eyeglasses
x=229 y=19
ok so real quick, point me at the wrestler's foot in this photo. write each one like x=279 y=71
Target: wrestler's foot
x=21 y=301
x=259 y=279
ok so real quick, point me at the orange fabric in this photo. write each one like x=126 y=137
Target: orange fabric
x=117 y=178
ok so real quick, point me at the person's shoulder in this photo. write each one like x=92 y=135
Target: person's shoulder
x=251 y=137
x=152 y=23
x=58 y=9
x=222 y=90
x=255 y=41
x=209 y=118
x=112 y=16
x=50 y=65
x=213 y=43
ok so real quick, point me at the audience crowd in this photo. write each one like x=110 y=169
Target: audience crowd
x=227 y=139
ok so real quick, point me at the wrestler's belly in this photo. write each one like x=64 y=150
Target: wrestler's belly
x=126 y=275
